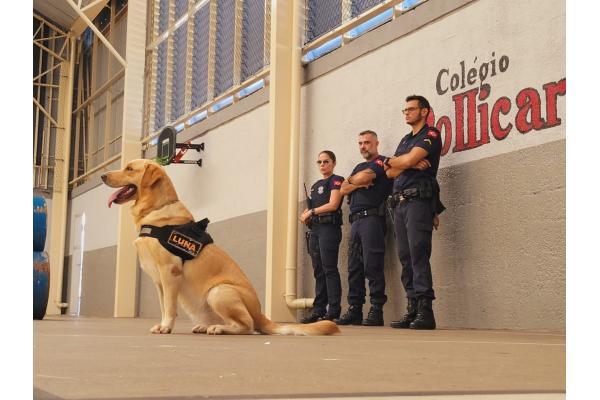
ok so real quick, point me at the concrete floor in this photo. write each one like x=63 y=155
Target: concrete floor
x=106 y=358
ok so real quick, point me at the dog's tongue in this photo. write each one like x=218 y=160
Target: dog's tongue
x=116 y=194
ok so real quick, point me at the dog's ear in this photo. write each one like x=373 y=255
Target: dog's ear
x=152 y=175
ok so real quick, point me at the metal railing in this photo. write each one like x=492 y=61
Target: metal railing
x=201 y=57
x=332 y=23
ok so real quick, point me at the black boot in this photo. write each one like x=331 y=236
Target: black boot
x=424 y=319
x=313 y=317
x=375 y=316
x=353 y=316
x=330 y=315
x=411 y=314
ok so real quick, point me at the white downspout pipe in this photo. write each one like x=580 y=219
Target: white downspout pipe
x=291 y=254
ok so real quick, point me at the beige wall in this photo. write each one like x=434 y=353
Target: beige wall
x=499 y=256
x=233 y=177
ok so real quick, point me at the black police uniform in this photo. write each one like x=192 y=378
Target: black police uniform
x=367 y=237
x=324 y=244
x=417 y=200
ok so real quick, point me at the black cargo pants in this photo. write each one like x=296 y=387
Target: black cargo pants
x=413 y=227
x=324 y=245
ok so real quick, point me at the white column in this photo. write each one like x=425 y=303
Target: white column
x=126 y=273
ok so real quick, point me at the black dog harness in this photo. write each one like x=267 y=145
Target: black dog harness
x=184 y=241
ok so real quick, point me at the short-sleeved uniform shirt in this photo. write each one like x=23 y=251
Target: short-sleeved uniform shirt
x=364 y=199
x=321 y=190
x=427 y=138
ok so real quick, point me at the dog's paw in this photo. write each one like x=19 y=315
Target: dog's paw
x=199 y=329
x=158 y=328
x=214 y=330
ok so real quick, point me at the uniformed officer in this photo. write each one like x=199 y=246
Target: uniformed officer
x=417 y=204
x=325 y=219
x=367 y=187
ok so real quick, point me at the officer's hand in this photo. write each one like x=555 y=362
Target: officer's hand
x=422 y=165
x=305 y=216
x=436 y=221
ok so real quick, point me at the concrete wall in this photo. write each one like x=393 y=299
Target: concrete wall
x=499 y=256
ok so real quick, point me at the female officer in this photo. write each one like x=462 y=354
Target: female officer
x=325 y=220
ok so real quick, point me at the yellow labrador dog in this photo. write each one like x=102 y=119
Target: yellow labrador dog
x=211 y=287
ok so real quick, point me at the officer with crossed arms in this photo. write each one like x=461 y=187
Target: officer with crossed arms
x=416 y=208
x=367 y=188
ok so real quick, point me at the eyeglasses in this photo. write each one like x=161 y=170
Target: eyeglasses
x=322 y=162
x=410 y=109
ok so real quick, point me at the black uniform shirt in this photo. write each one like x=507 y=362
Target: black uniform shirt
x=321 y=190
x=364 y=199
x=427 y=138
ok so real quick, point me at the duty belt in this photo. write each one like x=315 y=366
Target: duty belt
x=405 y=195
x=328 y=218
x=362 y=214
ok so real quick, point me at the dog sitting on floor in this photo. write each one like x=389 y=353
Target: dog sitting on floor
x=210 y=286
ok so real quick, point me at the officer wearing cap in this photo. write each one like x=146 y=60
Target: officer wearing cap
x=416 y=207
x=367 y=188
x=325 y=219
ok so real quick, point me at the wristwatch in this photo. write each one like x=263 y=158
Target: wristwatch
x=387 y=162
x=312 y=212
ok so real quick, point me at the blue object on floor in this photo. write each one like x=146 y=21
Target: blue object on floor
x=41 y=283
x=40 y=212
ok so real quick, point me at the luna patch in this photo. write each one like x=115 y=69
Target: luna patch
x=185 y=243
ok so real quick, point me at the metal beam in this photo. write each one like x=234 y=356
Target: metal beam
x=237 y=43
x=98 y=167
x=91 y=11
x=50 y=51
x=212 y=49
x=107 y=85
x=102 y=38
x=42 y=109
x=45 y=72
x=51 y=25
x=50 y=37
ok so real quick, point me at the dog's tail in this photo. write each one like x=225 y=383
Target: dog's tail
x=268 y=327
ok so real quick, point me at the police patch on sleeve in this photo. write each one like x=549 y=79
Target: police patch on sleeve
x=432 y=134
x=337 y=182
x=379 y=162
